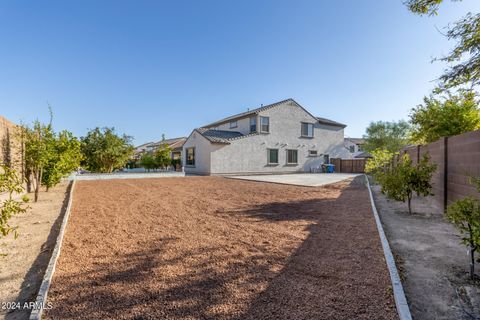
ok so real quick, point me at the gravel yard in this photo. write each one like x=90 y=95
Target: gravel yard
x=216 y=248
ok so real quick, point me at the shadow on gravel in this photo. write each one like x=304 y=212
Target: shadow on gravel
x=32 y=281
x=337 y=272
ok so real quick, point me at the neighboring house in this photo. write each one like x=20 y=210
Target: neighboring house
x=278 y=138
x=355 y=148
x=176 y=144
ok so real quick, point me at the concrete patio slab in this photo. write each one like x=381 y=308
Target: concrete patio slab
x=300 y=179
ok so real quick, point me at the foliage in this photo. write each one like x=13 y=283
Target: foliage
x=38 y=142
x=445 y=116
x=104 y=150
x=64 y=157
x=379 y=163
x=148 y=162
x=390 y=136
x=465 y=56
x=402 y=179
x=162 y=156
x=11 y=184
x=465 y=215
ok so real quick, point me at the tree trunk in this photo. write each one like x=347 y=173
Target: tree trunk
x=473 y=247
x=472 y=263
x=37 y=186
x=409 y=204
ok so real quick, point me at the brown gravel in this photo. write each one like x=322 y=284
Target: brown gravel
x=215 y=248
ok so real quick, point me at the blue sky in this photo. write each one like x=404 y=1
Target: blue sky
x=153 y=67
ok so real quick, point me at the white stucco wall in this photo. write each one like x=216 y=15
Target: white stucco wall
x=249 y=154
x=357 y=151
x=243 y=126
x=203 y=151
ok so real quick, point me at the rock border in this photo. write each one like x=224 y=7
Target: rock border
x=398 y=293
x=41 y=300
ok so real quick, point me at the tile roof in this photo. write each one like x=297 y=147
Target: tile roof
x=170 y=142
x=364 y=155
x=219 y=136
x=247 y=113
x=356 y=140
x=330 y=122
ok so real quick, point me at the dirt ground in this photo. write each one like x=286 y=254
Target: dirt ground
x=216 y=248
x=23 y=266
x=433 y=263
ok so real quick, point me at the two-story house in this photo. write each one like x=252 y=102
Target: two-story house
x=278 y=138
x=355 y=148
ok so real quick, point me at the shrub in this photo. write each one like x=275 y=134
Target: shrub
x=402 y=180
x=465 y=215
x=11 y=184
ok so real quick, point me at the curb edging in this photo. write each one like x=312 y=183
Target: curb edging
x=398 y=293
x=41 y=300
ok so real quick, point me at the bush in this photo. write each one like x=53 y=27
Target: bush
x=465 y=215
x=380 y=162
x=11 y=184
x=401 y=180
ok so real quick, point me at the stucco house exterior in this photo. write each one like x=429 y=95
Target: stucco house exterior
x=355 y=148
x=175 y=144
x=282 y=137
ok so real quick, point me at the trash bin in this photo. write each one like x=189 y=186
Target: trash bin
x=330 y=168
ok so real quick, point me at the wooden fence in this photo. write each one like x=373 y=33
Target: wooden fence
x=349 y=165
x=457 y=159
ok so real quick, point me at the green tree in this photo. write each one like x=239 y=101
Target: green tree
x=104 y=150
x=162 y=156
x=380 y=163
x=65 y=156
x=148 y=161
x=403 y=179
x=11 y=184
x=465 y=215
x=390 y=136
x=464 y=58
x=445 y=116
x=38 y=142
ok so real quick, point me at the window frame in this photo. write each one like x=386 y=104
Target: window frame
x=326 y=159
x=308 y=125
x=351 y=149
x=292 y=163
x=313 y=155
x=261 y=124
x=233 y=124
x=254 y=124
x=186 y=157
x=269 y=158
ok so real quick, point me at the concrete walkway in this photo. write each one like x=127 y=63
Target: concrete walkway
x=127 y=175
x=300 y=179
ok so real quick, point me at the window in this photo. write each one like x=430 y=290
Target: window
x=312 y=153
x=352 y=149
x=272 y=156
x=253 y=124
x=292 y=156
x=359 y=147
x=264 y=124
x=190 y=157
x=326 y=159
x=233 y=124
x=307 y=130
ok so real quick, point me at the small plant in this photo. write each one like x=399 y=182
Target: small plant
x=465 y=215
x=11 y=184
x=379 y=164
x=400 y=181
